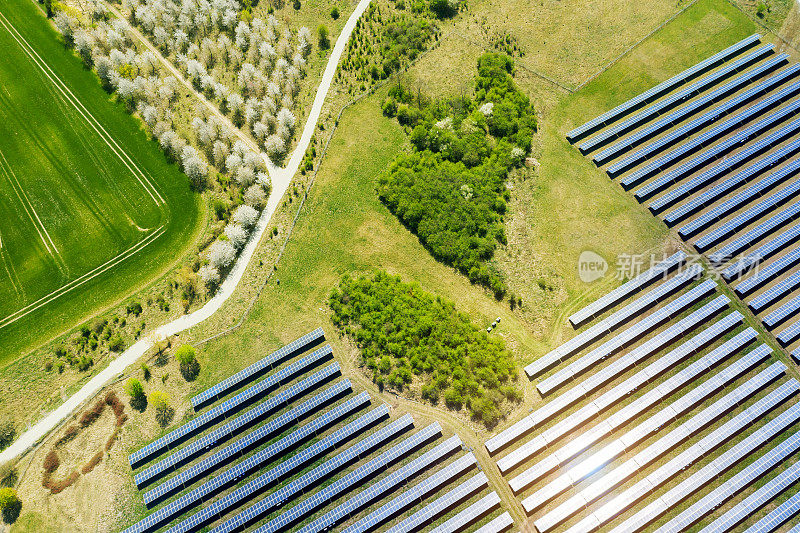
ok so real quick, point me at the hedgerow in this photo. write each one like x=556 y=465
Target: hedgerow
x=405 y=334
x=450 y=191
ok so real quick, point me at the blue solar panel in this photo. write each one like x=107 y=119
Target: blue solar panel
x=414 y=495
x=676 y=99
x=470 y=515
x=504 y=522
x=707 y=198
x=707 y=138
x=355 y=478
x=783 y=313
x=253 y=463
x=773 y=294
x=288 y=492
x=670 y=139
x=754 y=235
x=265 y=432
x=764 y=252
x=256 y=369
x=725 y=165
x=233 y=405
x=663 y=88
x=789 y=335
x=628 y=289
x=768 y=273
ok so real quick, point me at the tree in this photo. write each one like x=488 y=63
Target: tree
x=335 y=13
x=10 y=505
x=135 y=389
x=221 y=254
x=65 y=25
x=255 y=196
x=323 y=37
x=236 y=234
x=209 y=275
x=7 y=434
x=246 y=216
x=444 y=8
x=186 y=356
x=160 y=402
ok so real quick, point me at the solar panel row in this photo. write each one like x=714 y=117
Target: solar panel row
x=288 y=492
x=776 y=292
x=441 y=505
x=661 y=447
x=635 y=356
x=663 y=88
x=785 y=511
x=612 y=322
x=232 y=405
x=245 y=421
x=697 y=124
x=266 y=364
x=572 y=449
x=385 y=486
x=743 y=479
x=628 y=289
x=627 y=337
x=678 y=98
x=718 y=213
x=470 y=514
x=716 y=192
x=790 y=334
x=782 y=313
x=726 y=163
x=239 y=471
x=706 y=139
x=271 y=452
x=747 y=263
x=354 y=478
x=711 y=471
x=746 y=240
x=502 y=523
x=414 y=495
x=768 y=273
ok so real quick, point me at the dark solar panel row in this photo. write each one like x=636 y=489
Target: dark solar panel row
x=232 y=405
x=353 y=479
x=708 y=138
x=582 y=390
x=470 y=515
x=738 y=201
x=627 y=337
x=773 y=294
x=385 y=486
x=654 y=397
x=693 y=126
x=504 y=522
x=662 y=88
x=768 y=273
x=239 y=448
x=747 y=263
x=253 y=371
x=743 y=479
x=716 y=192
x=612 y=322
x=627 y=289
x=712 y=471
x=750 y=215
x=247 y=420
x=695 y=452
x=678 y=98
x=789 y=335
x=754 y=235
x=288 y=492
x=414 y=495
x=239 y=471
x=663 y=446
x=785 y=511
x=442 y=504
x=726 y=164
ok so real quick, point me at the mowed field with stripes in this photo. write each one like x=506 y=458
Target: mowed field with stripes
x=83 y=193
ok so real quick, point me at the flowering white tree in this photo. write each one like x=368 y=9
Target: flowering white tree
x=83 y=45
x=209 y=274
x=275 y=146
x=245 y=176
x=255 y=196
x=236 y=234
x=66 y=26
x=221 y=254
x=245 y=216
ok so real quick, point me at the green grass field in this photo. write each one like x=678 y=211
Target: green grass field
x=85 y=195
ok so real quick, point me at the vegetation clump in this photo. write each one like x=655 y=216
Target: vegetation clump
x=186 y=356
x=406 y=334
x=7 y=434
x=10 y=505
x=450 y=191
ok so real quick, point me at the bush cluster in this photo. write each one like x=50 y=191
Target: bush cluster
x=451 y=190
x=405 y=334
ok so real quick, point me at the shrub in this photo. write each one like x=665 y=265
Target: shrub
x=134 y=308
x=160 y=402
x=116 y=344
x=335 y=13
x=8 y=475
x=186 y=356
x=51 y=462
x=7 y=434
x=10 y=505
x=135 y=389
x=323 y=37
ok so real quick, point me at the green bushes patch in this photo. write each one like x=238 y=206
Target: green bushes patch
x=406 y=334
x=451 y=190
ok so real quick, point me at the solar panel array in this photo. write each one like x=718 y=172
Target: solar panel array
x=307 y=455
x=722 y=167
x=666 y=393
